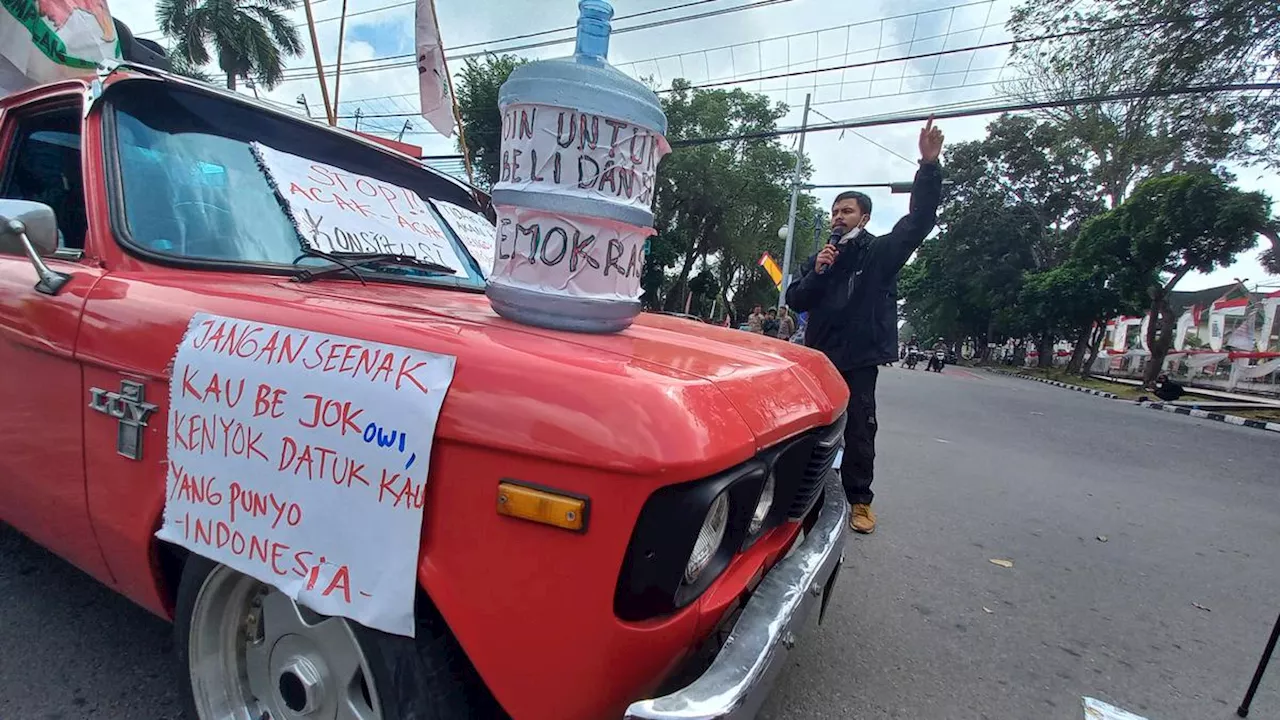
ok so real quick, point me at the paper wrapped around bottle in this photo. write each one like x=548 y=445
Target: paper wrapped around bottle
x=573 y=201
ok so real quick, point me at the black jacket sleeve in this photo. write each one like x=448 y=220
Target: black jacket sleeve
x=926 y=194
x=806 y=291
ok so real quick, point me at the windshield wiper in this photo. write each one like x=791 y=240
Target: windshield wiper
x=350 y=263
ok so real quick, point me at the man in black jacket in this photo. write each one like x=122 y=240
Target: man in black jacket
x=850 y=290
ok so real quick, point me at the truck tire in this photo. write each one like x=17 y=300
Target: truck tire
x=245 y=649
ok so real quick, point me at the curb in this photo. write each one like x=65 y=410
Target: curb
x=1177 y=409
x=1218 y=417
x=1055 y=383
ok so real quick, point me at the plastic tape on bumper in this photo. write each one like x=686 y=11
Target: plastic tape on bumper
x=740 y=677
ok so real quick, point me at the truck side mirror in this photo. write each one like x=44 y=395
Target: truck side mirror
x=32 y=228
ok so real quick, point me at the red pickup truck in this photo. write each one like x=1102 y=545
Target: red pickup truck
x=705 y=456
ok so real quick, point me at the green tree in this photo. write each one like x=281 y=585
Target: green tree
x=1164 y=44
x=250 y=37
x=477 y=92
x=1170 y=226
x=1076 y=298
x=182 y=66
x=718 y=204
x=1157 y=46
x=1015 y=201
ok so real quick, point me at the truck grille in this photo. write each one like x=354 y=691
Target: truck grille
x=798 y=466
x=810 y=484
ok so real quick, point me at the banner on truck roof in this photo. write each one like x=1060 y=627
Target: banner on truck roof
x=43 y=41
x=301 y=459
x=336 y=211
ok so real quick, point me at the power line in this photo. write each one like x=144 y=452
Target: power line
x=525 y=36
x=409 y=59
x=970 y=48
x=989 y=110
x=917 y=56
x=155 y=31
x=938 y=53
x=827 y=102
x=846 y=28
x=634 y=63
x=877 y=49
x=364 y=66
x=407 y=3
x=873 y=142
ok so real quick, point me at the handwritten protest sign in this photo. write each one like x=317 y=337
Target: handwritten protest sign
x=569 y=254
x=473 y=229
x=562 y=151
x=300 y=459
x=337 y=211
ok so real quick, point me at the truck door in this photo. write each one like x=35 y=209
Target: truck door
x=43 y=401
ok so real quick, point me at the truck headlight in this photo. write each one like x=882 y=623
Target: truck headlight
x=709 y=538
x=763 y=506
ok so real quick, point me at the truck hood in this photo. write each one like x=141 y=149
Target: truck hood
x=775 y=389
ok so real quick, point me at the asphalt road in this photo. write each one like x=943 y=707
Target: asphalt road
x=923 y=627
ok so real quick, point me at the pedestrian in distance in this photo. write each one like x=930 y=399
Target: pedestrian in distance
x=850 y=290
x=1167 y=389
x=755 y=321
x=786 y=324
x=770 y=325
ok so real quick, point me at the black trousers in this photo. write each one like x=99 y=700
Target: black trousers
x=857 y=470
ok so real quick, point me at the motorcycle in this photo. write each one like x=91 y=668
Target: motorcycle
x=913 y=357
x=937 y=361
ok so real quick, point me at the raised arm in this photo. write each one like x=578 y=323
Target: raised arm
x=926 y=194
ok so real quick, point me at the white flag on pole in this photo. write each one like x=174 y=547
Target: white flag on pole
x=433 y=81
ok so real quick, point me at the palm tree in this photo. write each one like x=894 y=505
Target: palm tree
x=250 y=37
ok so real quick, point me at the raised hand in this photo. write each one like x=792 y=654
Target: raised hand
x=930 y=142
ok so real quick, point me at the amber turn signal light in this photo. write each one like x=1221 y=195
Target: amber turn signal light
x=542 y=506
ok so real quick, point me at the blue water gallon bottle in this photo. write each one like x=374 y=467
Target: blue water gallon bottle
x=581 y=143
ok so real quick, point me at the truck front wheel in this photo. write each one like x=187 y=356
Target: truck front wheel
x=245 y=650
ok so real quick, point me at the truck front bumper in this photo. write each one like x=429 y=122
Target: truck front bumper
x=740 y=677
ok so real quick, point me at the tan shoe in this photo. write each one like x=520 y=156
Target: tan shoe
x=863 y=519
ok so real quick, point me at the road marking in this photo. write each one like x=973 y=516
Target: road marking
x=1098 y=710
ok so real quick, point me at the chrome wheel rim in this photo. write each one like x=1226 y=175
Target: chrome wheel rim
x=254 y=654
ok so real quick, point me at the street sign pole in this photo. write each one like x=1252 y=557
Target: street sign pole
x=791 y=214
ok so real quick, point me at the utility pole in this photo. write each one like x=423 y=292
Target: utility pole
x=817 y=230
x=791 y=214
x=315 y=52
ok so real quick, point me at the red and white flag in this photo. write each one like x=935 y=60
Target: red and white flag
x=433 y=81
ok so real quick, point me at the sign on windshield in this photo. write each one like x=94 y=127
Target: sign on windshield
x=336 y=211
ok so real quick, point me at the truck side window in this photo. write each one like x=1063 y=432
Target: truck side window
x=43 y=165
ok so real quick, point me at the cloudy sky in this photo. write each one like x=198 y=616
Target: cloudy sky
x=767 y=38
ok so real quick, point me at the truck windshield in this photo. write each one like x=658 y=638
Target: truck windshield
x=191 y=186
